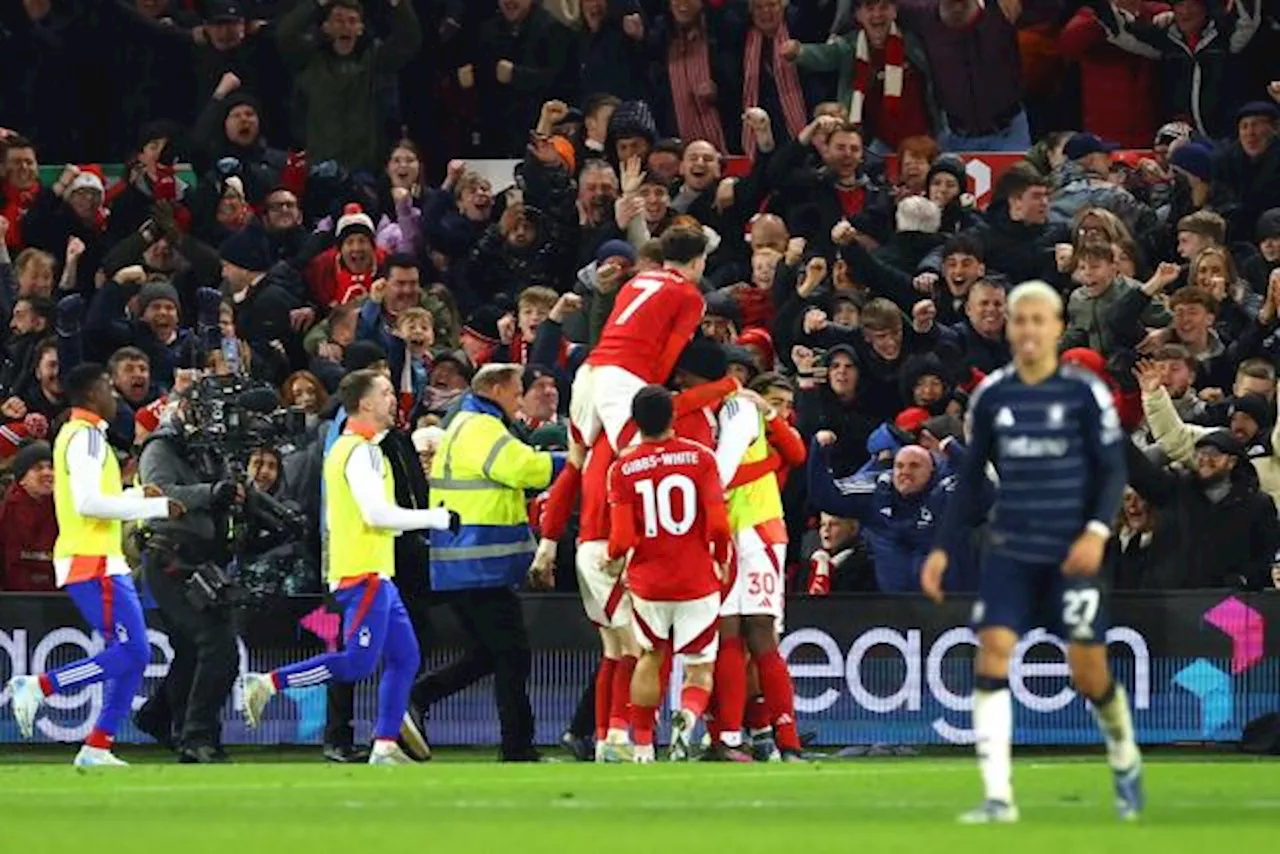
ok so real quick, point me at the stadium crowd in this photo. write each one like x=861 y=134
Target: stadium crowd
x=330 y=221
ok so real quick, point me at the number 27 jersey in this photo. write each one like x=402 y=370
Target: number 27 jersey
x=667 y=505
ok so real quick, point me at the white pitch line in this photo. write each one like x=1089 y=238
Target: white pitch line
x=420 y=779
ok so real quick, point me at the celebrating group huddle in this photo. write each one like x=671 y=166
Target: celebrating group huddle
x=696 y=504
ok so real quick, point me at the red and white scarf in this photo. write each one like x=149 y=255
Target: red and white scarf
x=895 y=57
x=689 y=69
x=785 y=77
x=351 y=286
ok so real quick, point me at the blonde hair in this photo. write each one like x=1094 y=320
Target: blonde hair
x=31 y=256
x=1228 y=263
x=537 y=296
x=415 y=313
x=1035 y=291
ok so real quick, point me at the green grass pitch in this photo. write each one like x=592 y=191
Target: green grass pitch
x=869 y=806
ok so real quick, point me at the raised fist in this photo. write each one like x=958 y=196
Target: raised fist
x=633 y=26
x=725 y=193
x=791 y=50
x=229 y=83
x=69 y=173
x=554 y=112
x=815 y=320
x=37 y=425
x=507 y=328
x=75 y=248
x=453 y=174
x=467 y=76
x=925 y=282
x=923 y=314
x=757 y=119
x=568 y=304
x=795 y=250
x=843 y=233
x=825 y=438
x=827 y=125
x=803 y=358
x=1166 y=274
x=816 y=269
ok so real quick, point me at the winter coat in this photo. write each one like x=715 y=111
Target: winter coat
x=1200 y=80
x=343 y=115
x=1226 y=544
x=1088 y=317
x=28 y=529
x=1120 y=91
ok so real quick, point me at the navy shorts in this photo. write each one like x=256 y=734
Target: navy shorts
x=1023 y=596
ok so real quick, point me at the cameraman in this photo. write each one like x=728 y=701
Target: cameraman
x=206 y=660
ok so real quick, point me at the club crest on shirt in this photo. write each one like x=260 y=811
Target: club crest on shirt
x=1004 y=418
x=1057 y=416
x=122 y=633
x=365 y=637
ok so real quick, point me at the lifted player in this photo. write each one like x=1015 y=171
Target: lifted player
x=1053 y=435
x=667 y=509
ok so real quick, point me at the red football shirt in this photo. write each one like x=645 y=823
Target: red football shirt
x=653 y=318
x=694 y=413
x=667 y=504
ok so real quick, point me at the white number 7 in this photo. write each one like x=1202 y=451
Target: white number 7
x=647 y=288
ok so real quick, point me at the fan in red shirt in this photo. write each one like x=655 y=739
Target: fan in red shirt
x=667 y=510
x=653 y=318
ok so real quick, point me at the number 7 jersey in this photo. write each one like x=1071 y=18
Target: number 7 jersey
x=667 y=507
x=653 y=318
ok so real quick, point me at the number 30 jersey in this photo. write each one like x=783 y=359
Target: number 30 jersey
x=654 y=317
x=667 y=504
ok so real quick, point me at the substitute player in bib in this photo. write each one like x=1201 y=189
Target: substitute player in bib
x=88 y=560
x=1052 y=433
x=653 y=318
x=362 y=521
x=667 y=510
x=752 y=609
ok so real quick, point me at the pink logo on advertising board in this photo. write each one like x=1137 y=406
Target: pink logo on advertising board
x=1244 y=626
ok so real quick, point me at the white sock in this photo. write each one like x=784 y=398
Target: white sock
x=617 y=736
x=383 y=746
x=1117 y=729
x=731 y=739
x=993 y=726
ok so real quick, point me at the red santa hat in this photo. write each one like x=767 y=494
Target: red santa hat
x=90 y=178
x=353 y=221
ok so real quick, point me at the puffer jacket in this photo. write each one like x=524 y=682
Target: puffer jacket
x=900 y=528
